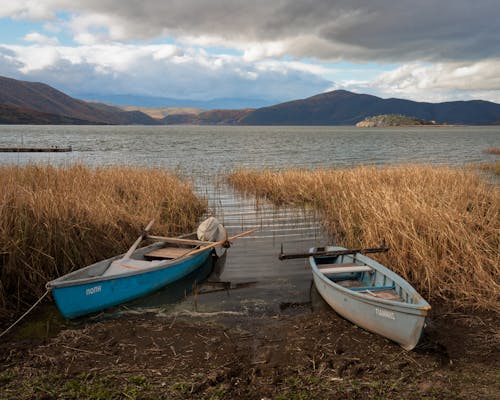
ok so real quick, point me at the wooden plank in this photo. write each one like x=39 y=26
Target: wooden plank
x=283 y=256
x=35 y=149
x=167 y=252
x=345 y=270
x=323 y=266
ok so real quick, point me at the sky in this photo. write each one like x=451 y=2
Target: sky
x=277 y=50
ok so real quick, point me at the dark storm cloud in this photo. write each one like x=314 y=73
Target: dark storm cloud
x=384 y=30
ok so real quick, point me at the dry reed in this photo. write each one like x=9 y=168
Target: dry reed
x=492 y=150
x=491 y=167
x=53 y=220
x=442 y=224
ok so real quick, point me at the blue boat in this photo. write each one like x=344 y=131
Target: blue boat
x=138 y=272
x=369 y=294
x=120 y=279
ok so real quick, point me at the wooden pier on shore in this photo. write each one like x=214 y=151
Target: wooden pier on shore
x=35 y=149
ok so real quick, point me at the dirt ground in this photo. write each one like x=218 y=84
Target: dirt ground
x=296 y=354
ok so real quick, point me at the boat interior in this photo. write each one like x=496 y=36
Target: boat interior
x=162 y=249
x=348 y=272
x=170 y=249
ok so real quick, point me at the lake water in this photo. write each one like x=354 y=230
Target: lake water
x=205 y=150
x=255 y=280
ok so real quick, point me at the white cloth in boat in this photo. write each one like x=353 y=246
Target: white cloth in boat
x=124 y=266
x=211 y=230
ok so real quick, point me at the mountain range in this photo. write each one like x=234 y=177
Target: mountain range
x=232 y=103
x=24 y=102
x=33 y=98
x=341 y=107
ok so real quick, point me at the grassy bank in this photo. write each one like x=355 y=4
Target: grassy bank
x=53 y=220
x=442 y=224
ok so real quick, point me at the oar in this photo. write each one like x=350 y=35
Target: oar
x=220 y=242
x=176 y=240
x=139 y=240
x=283 y=256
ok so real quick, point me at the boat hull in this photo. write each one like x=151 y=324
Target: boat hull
x=83 y=298
x=400 y=326
x=398 y=321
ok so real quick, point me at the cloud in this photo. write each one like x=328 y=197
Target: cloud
x=158 y=70
x=384 y=30
x=30 y=9
x=447 y=49
x=435 y=82
x=36 y=37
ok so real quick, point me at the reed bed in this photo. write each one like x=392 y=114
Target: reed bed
x=57 y=219
x=491 y=167
x=441 y=223
x=492 y=150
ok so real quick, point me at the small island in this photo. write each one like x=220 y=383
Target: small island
x=380 y=121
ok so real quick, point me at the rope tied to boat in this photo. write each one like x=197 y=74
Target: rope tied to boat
x=25 y=314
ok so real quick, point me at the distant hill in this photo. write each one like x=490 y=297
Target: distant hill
x=45 y=99
x=33 y=102
x=229 y=103
x=213 y=117
x=386 y=120
x=341 y=107
x=18 y=115
x=162 y=112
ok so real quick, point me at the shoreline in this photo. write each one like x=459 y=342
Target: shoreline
x=292 y=354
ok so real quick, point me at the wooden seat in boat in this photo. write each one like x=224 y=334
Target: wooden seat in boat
x=343 y=268
x=166 y=253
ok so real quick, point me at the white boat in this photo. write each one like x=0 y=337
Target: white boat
x=369 y=294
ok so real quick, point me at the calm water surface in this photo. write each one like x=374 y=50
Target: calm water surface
x=252 y=278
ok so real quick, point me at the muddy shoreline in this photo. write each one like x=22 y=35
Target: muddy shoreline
x=294 y=354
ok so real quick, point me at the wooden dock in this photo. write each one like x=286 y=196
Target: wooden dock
x=35 y=149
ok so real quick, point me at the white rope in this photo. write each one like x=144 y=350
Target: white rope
x=24 y=315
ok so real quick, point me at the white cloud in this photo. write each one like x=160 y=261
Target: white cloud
x=159 y=70
x=38 y=38
x=435 y=82
x=30 y=9
x=479 y=75
x=445 y=50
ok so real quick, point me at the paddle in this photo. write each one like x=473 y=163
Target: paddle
x=176 y=240
x=220 y=242
x=283 y=256
x=144 y=234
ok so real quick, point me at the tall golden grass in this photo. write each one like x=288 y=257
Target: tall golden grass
x=442 y=224
x=491 y=167
x=56 y=219
x=492 y=150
